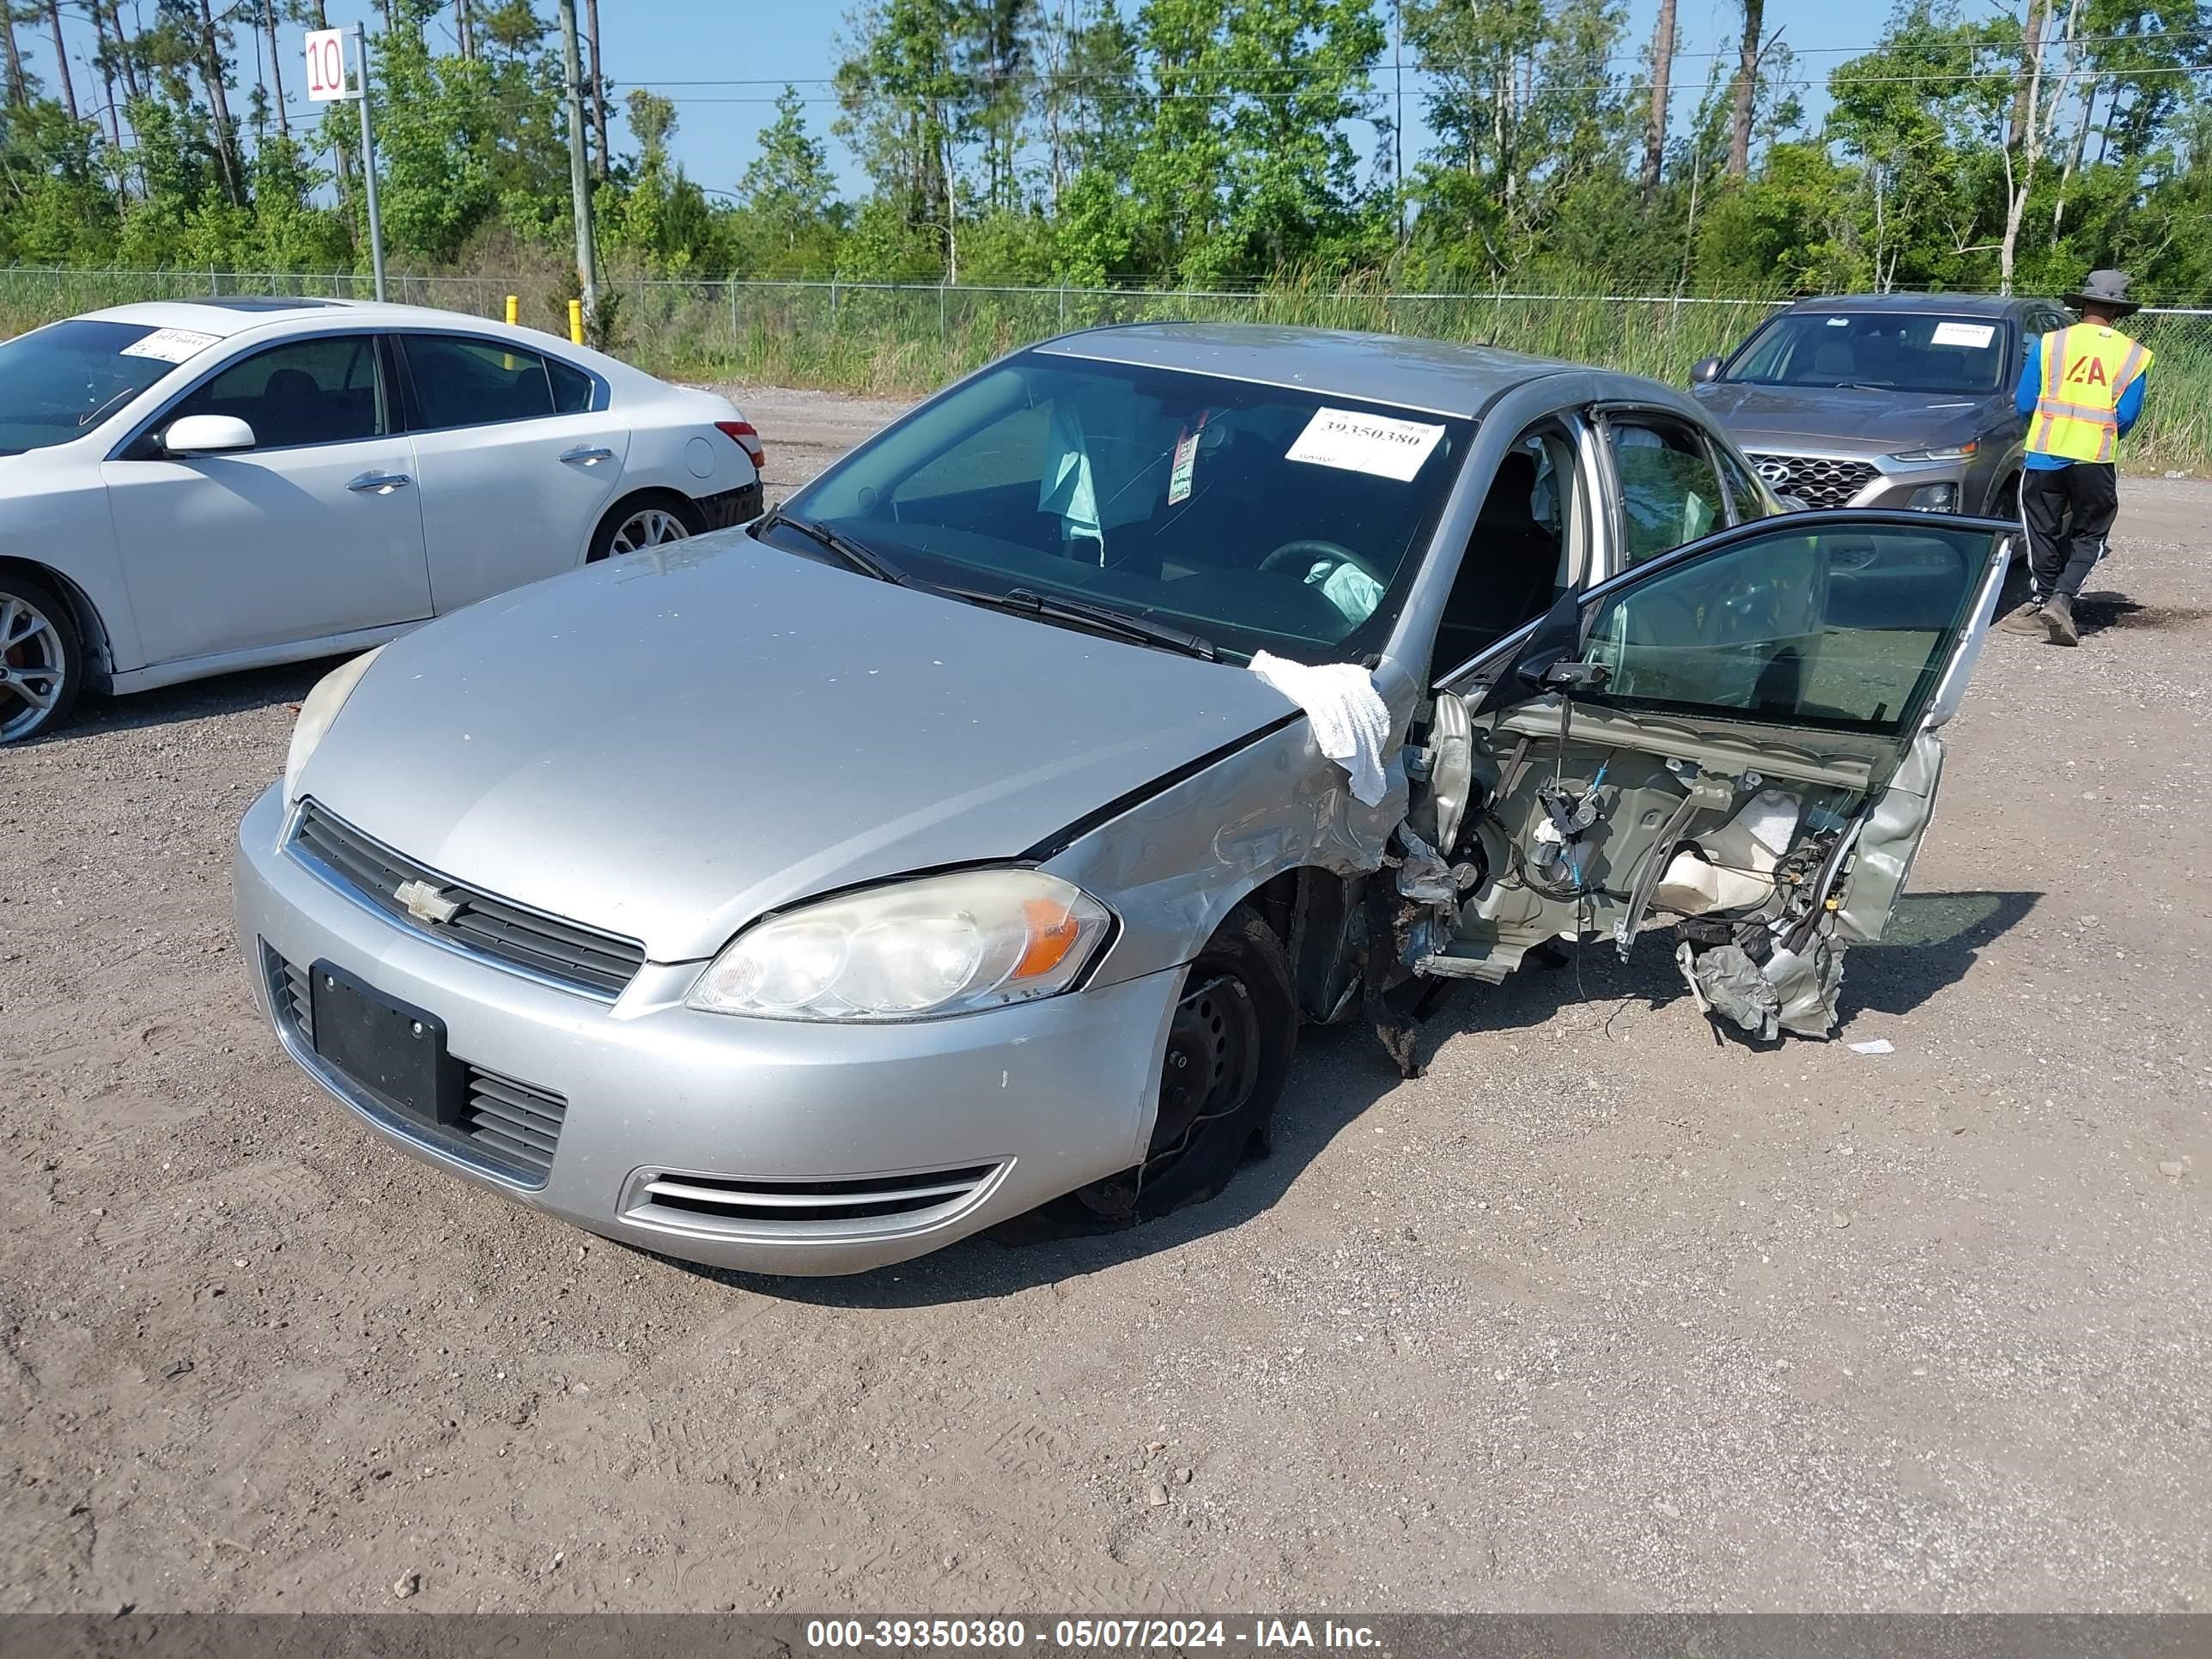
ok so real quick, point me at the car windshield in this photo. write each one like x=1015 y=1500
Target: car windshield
x=1256 y=516
x=1909 y=351
x=57 y=383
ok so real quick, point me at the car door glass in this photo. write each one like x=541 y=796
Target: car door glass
x=573 y=389
x=321 y=391
x=1845 y=628
x=1668 y=489
x=460 y=382
x=1518 y=559
x=1747 y=501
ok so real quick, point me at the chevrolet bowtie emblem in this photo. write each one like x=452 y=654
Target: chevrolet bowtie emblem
x=425 y=903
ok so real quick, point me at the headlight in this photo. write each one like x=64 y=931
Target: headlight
x=940 y=945
x=1945 y=453
x=316 y=714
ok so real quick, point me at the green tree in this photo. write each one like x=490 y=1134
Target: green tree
x=788 y=195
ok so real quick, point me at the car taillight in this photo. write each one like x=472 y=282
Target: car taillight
x=741 y=432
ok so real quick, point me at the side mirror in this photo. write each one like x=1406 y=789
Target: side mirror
x=207 y=434
x=1705 y=371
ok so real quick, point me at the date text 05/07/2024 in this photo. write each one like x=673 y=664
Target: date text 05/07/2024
x=1136 y=1634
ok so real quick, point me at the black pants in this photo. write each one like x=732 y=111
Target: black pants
x=2068 y=511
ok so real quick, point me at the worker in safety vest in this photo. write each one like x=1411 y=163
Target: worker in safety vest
x=2080 y=390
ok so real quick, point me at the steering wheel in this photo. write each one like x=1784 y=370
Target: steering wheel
x=1301 y=555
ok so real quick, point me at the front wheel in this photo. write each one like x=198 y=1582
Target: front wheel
x=1228 y=1054
x=41 y=659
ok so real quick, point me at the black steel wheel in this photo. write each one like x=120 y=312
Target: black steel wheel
x=1227 y=1055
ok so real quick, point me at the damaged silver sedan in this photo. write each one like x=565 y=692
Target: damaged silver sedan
x=974 y=832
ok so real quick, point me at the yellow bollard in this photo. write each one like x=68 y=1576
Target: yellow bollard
x=576 y=322
x=513 y=310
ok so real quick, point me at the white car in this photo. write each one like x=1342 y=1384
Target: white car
x=190 y=488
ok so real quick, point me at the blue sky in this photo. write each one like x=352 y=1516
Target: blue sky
x=665 y=44
x=659 y=43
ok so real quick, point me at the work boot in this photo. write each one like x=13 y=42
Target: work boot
x=2028 y=619
x=2058 y=620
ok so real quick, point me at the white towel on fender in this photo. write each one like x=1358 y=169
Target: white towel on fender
x=1351 y=721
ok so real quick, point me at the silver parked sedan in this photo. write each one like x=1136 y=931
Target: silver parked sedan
x=803 y=897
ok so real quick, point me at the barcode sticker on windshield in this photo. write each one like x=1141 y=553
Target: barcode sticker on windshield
x=171 y=345
x=1378 y=444
x=1978 y=335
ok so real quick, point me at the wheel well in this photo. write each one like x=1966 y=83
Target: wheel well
x=100 y=659
x=1310 y=910
x=659 y=496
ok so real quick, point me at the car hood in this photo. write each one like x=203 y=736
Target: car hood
x=667 y=745
x=1874 y=422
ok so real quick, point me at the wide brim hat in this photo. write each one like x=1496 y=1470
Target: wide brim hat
x=2107 y=289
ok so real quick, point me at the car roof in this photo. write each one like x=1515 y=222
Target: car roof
x=1435 y=376
x=226 y=317
x=1955 y=305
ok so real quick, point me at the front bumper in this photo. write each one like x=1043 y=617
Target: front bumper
x=782 y=1137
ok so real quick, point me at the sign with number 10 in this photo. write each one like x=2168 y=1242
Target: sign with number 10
x=325 y=64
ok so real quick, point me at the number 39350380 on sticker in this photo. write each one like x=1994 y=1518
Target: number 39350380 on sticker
x=1380 y=444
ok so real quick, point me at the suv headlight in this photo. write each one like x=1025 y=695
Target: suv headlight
x=1943 y=453
x=316 y=714
x=911 y=950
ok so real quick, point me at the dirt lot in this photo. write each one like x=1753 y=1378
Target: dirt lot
x=1601 y=1314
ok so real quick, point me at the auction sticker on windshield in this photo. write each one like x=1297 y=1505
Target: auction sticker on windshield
x=171 y=345
x=1978 y=335
x=1379 y=444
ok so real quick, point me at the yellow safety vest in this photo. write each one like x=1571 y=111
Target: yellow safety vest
x=2086 y=367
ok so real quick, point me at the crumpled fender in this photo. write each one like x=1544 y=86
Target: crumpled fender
x=1179 y=862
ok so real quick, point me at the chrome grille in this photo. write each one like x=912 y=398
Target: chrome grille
x=1815 y=480
x=565 y=953
x=752 y=1205
x=511 y=1125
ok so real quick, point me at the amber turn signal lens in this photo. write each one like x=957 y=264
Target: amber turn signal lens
x=1052 y=933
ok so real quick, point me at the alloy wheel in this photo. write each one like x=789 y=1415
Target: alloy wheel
x=32 y=666
x=649 y=526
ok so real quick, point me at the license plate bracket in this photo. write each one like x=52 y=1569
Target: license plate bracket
x=393 y=1051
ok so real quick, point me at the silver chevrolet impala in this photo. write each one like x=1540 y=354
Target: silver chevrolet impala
x=803 y=897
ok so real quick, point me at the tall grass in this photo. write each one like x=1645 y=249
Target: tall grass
x=906 y=341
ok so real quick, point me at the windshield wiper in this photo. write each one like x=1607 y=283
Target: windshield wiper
x=1026 y=602
x=868 y=563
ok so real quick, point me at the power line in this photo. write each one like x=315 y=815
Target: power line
x=1260 y=70
x=1830 y=83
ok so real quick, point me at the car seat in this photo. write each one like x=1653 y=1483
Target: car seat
x=292 y=409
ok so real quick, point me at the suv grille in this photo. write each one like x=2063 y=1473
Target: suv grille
x=1813 y=479
x=573 y=956
x=509 y=1125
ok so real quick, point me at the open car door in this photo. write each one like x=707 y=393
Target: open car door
x=1737 y=741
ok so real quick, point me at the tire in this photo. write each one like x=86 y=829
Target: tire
x=671 y=519
x=41 y=659
x=1228 y=1055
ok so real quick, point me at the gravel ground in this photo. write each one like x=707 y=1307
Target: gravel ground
x=1600 y=1314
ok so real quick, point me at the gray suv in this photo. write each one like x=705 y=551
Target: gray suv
x=1883 y=399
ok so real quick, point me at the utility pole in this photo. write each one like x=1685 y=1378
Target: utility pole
x=580 y=182
x=368 y=161
x=1398 y=126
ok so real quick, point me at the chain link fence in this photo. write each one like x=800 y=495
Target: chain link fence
x=903 y=339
